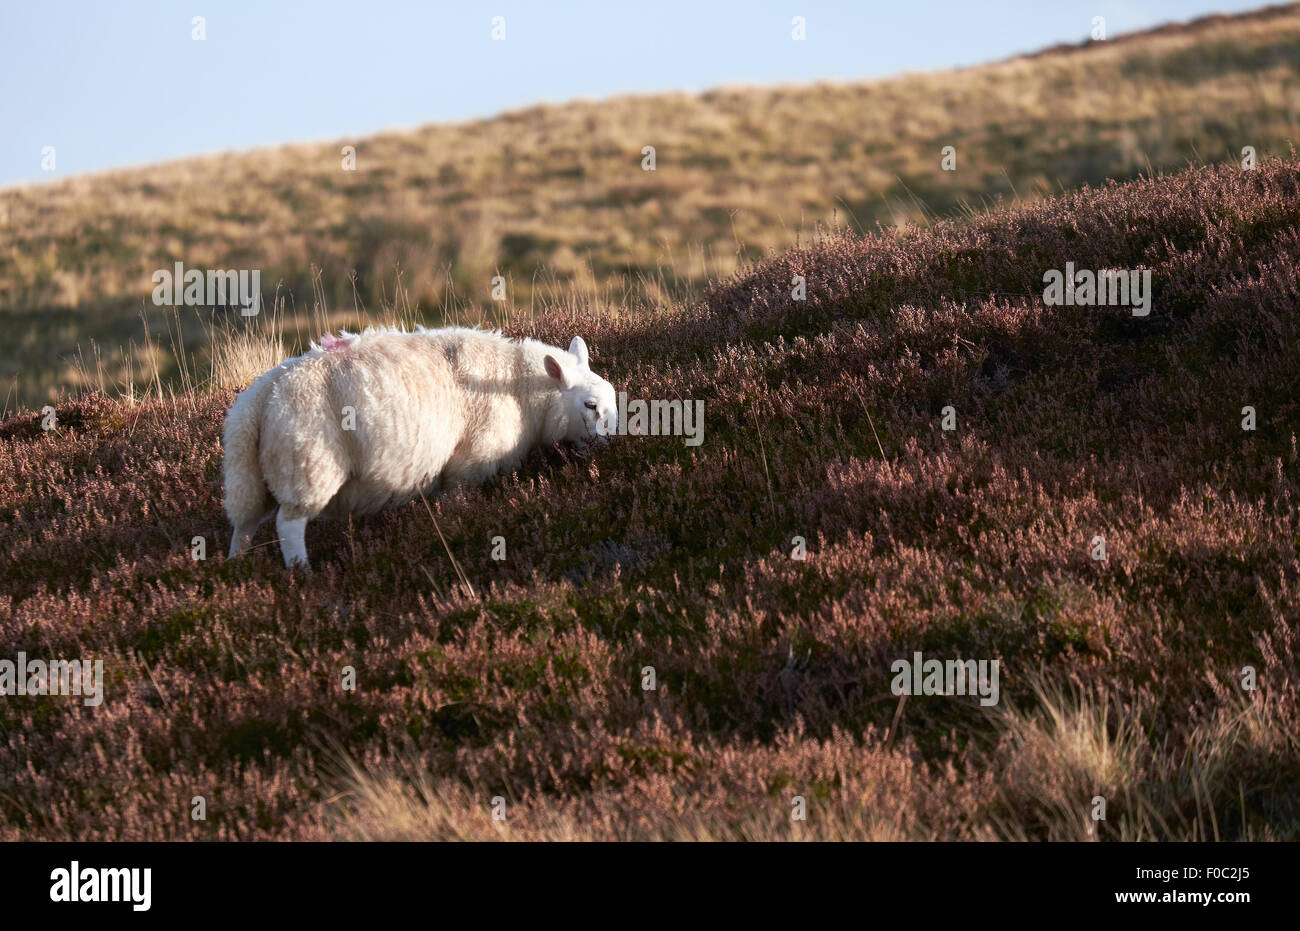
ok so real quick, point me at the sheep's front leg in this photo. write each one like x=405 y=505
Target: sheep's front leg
x=475 y=468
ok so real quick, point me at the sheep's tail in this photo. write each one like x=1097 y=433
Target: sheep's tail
x=248 y=501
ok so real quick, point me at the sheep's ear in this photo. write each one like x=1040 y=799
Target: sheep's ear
x=579 y=349
x=553 y=369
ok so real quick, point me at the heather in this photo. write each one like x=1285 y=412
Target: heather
x=554 y=198
x=522 y=678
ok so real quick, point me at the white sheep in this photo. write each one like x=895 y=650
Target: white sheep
x=376 y=418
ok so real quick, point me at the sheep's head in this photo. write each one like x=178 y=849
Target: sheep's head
x=588 y=400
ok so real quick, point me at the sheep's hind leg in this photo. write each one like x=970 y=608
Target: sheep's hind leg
x=244 y=534
x=293 y=538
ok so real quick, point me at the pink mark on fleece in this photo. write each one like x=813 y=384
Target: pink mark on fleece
x=331 y=343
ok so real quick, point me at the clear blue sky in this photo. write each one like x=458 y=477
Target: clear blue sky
x=118 y=82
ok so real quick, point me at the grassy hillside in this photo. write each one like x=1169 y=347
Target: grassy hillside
x=555 y=198
x=1121 y=678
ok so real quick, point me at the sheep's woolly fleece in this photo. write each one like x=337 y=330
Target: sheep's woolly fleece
x=368 y=419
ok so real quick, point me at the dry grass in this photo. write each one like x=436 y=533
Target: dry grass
x=554 y=198
x=1049 y=763
x=237 y=355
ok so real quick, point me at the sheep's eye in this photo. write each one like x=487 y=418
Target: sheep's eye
x=591 y=405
